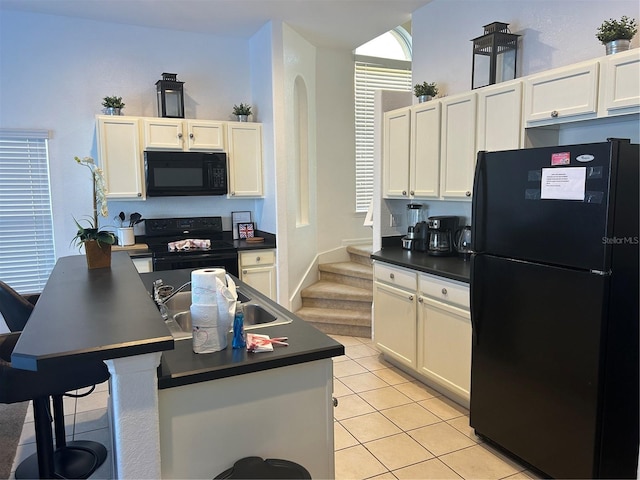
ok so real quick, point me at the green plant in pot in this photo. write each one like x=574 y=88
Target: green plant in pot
x=425 y=91
x=97 y=243
x=112 y=105
x=616 y=35
x=242 y=111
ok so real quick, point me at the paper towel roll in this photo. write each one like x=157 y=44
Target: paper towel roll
x=204 y=315
x=209 y=339
x=204 y=285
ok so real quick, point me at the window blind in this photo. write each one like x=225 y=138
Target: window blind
x=27 y=253
x=370 y=76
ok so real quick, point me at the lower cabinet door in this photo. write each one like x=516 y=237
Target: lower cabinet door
x=262 y=279
x=444 y=345
x=394 y=317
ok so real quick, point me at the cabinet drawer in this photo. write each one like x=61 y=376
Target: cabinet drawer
x=395 y=276
x=445 y=290
x=258 y=257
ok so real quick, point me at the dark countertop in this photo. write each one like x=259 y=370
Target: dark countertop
x=269 y=242
x=91 y=315
x=454 y=268
x=182 y=367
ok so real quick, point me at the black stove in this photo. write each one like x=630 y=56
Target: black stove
x=161 y=232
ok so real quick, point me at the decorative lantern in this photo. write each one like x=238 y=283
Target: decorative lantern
x=170 y=96
x=495 y=55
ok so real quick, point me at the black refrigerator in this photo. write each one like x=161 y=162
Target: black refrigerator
x=554 y=307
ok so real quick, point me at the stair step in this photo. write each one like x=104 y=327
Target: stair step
x=360 y=253
x=350 y=269
x=337 y=291
x=335 y=316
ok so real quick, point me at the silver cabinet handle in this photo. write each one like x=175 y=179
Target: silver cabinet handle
x=139 y=194
x=444 y=291
x=410 y=297
x=420 y=299
x=257 y=259
x=554 y=114
x=404 y=193
x=392 y=276
x=335 y=402
x=233 y=193
x=244 y=272
x=180 y=135
x=412 y=193
x=191 y=135
x=467 y=193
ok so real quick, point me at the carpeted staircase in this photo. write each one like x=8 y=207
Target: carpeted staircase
x=340 y=302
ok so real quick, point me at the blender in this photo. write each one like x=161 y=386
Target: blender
x=414 y=216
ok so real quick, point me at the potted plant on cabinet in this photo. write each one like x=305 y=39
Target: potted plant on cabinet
x=425 y=91
x=97 y=243
x=125 y=234
x=616 y=35
x=242 y=111
x=112 y=105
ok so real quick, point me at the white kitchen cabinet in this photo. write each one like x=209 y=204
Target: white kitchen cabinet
x=258 y=269
x=180 y=134
x=621 y=83
x=394 y=313
x=458 y=146
x=395 y=156
x=424 y=157
x=244 y=148
x=444 y=335
x=120 y=156
x=500 y=117
x=444 y=346
x=562 y=95
x=143 y=264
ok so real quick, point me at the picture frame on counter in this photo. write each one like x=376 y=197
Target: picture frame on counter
x=237 y=218
x=246 y=230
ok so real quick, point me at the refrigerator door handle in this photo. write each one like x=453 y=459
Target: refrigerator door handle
x=478 y=204
x=475 y=298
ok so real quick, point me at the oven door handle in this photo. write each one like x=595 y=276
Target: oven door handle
x=212 y=256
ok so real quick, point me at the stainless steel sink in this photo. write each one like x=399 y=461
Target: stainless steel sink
x=179 y=315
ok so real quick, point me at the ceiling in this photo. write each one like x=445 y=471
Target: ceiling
x=325 y=23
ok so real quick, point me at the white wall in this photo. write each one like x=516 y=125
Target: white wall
x=337 y=219
x=554 y=33
x=299 y=63
x=56 y=70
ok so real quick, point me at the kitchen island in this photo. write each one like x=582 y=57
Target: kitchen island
x=108 y=315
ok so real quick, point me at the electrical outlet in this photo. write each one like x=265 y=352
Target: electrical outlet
x=394 y=219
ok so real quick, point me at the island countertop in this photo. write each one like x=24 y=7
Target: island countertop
x=89 y=315
x=183 y=367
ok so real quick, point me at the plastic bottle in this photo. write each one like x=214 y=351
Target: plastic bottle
x=238 y=330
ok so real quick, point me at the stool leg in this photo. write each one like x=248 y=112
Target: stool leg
x=44 y=437
x=58 y=421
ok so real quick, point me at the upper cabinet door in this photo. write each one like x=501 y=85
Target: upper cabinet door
x=562 y=95
x=395 y=154
x=204 y=135
x=500 y=117
x=163 y=134
x=622 y=82
x=458 y=146
x=121 y=157
x=425 y=150
x=244 y=146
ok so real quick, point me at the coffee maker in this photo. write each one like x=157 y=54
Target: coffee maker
x=440 y=235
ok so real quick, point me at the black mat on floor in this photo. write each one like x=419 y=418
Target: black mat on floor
x=11 y=421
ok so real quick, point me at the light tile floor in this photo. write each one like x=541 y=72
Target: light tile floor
x=387 y=426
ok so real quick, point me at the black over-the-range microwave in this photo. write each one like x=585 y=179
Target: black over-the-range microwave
x=185 y=173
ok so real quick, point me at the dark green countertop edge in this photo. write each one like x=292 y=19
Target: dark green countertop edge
x=453 y=268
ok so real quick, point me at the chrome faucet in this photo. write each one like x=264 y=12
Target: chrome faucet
x=161 y=300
